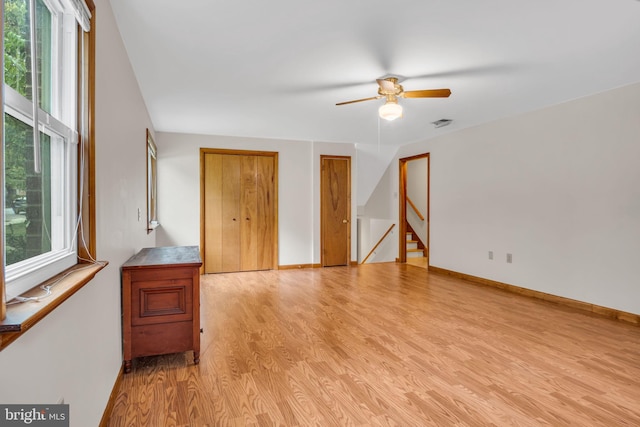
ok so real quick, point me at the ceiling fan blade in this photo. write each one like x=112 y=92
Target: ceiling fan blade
x=386 y=85
x=359 y=100
x=427 y=93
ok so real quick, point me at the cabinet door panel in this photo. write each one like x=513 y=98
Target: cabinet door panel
x=161 y=301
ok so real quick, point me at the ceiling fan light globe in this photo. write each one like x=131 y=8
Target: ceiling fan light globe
x=390 y=111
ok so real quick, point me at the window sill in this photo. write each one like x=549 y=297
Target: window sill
x=21 y=317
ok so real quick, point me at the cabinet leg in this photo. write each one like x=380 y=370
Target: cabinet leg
x=196 y=357
x=127 y=366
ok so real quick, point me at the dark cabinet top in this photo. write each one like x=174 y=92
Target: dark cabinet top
x=168 y=256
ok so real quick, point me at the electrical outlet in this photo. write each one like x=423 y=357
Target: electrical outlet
x=490 y=254
x=509 y=258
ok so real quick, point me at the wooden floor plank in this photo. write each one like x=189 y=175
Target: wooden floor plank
x=386 y=345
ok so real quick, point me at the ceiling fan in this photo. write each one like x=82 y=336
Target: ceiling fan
x=390 y=89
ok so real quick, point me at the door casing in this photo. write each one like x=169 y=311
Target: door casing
x=402 y=199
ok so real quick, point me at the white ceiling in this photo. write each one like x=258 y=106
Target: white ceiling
x=276 y=69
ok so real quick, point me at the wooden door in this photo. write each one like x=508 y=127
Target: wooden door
x=335 y=210
x=239 y=211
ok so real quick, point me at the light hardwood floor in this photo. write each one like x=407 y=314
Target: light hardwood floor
x=386 y=344
x=419 y=261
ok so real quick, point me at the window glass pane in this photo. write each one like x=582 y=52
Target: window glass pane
x=43 y=35
x=27 y=193
x=17 y=54
x=17 y=65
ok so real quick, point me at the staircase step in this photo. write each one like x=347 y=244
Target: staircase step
x=415 y=253
x=412 y=244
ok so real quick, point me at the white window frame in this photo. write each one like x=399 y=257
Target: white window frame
x=59 y=126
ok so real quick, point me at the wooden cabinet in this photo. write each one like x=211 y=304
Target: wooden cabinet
x=161 y=302
x=239 y=210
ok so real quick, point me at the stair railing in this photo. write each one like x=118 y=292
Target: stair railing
x=378 y=244
x=415 y=209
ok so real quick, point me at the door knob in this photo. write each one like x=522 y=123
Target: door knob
x=344 y=221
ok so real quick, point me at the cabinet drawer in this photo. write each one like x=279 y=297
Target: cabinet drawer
x=149 y=340
x=161 y=301
x=154 y=274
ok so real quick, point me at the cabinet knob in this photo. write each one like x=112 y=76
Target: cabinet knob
x=234 y=219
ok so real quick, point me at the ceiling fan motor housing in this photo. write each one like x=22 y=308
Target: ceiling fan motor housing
x=393 y=88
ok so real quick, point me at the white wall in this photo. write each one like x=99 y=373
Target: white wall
x=378 y=204
x=557 y=188
x=370 y=231
x=298 y=190
x=372 y=160
x=375 y=217
x=75 y=352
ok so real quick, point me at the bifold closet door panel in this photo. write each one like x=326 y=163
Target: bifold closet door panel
x=249 y=242
x=222 y=213
x=231 y=213
x=266 y=208
x=212 y=211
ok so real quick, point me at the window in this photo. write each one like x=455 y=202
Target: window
x=44 y=91
x=152 y=184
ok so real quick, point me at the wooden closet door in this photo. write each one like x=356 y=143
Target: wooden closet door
x=266 y=212
x=239 y=212
x=222 y=213
x=231 y=213
x=249 y=244
x=256 y=202
x=212 y=212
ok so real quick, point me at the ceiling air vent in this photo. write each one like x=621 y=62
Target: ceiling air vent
x=441 y=123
